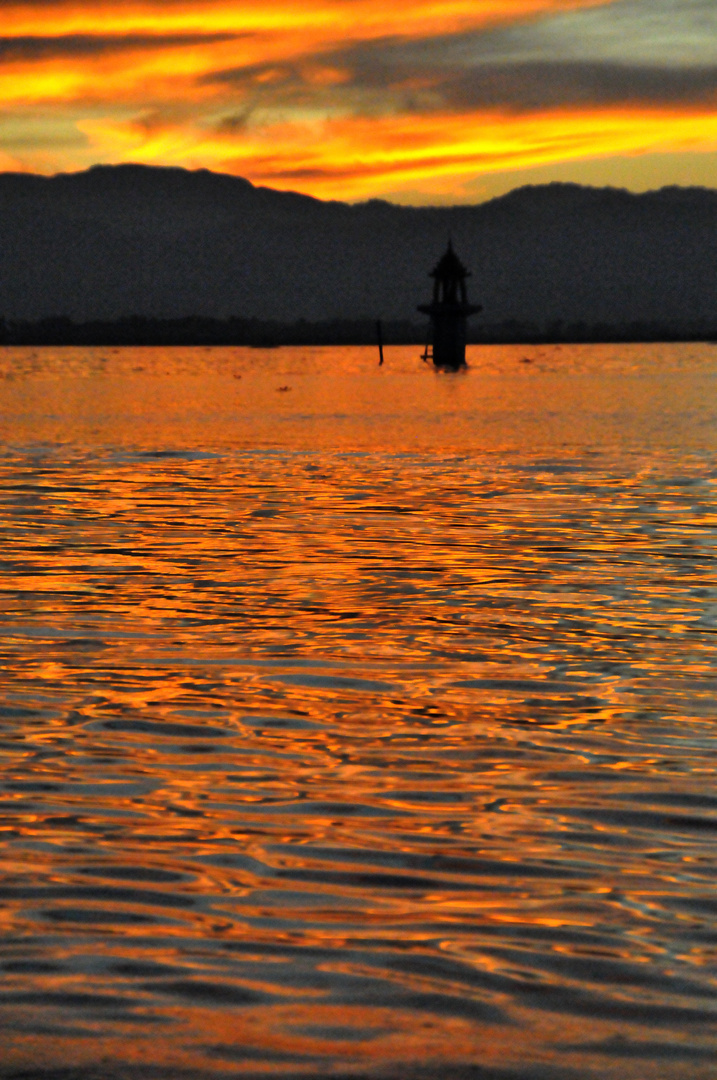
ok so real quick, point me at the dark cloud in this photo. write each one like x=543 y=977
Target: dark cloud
x=523 y=84
x=651 y=52
x=546 y=84
x=272 y=170
x=235 y=123
x=285 y=85
x=271 y=73
x=659 y=33
x=416 y=76
x=32 y=47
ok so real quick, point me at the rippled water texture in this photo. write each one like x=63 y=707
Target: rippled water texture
x=357 y=721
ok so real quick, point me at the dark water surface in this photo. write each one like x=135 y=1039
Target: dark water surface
x=358 y=722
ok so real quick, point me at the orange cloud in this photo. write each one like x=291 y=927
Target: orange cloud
x=257 y=32
x=326 y=19
x=338 y=98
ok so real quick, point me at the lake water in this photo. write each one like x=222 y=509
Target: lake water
x=358 y=721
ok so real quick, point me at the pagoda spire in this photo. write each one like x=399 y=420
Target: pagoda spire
x=448 y=311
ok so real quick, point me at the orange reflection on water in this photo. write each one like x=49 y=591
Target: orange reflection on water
x=366 y=724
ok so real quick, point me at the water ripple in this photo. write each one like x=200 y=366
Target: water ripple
x=369 y=733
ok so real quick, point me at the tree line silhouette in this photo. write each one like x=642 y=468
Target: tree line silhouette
x=259 y=333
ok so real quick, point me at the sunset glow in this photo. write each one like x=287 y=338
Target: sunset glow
x=354 y=99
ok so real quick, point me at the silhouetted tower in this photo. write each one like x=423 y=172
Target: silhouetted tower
x=448 y=312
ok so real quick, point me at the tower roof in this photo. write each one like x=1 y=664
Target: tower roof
x=449 y=266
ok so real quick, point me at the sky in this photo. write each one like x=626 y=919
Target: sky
x=414 y=101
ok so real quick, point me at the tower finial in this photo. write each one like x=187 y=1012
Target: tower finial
x=448 y=311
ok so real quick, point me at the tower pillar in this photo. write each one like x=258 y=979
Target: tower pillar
x=448 y=311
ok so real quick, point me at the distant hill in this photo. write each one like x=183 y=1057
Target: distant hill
x=168 y=243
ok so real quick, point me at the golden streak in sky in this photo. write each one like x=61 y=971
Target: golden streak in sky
x=354 y=158
x=332 y=19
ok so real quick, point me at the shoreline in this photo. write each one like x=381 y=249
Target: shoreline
x=256 y=333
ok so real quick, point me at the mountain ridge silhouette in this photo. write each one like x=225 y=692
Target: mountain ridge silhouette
x=121 y=240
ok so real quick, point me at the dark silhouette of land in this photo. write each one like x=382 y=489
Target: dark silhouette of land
x=138 y=255
x=258 y=333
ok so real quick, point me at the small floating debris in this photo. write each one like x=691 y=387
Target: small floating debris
x=282 y=389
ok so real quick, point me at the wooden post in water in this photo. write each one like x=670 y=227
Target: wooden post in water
x=379 y=336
